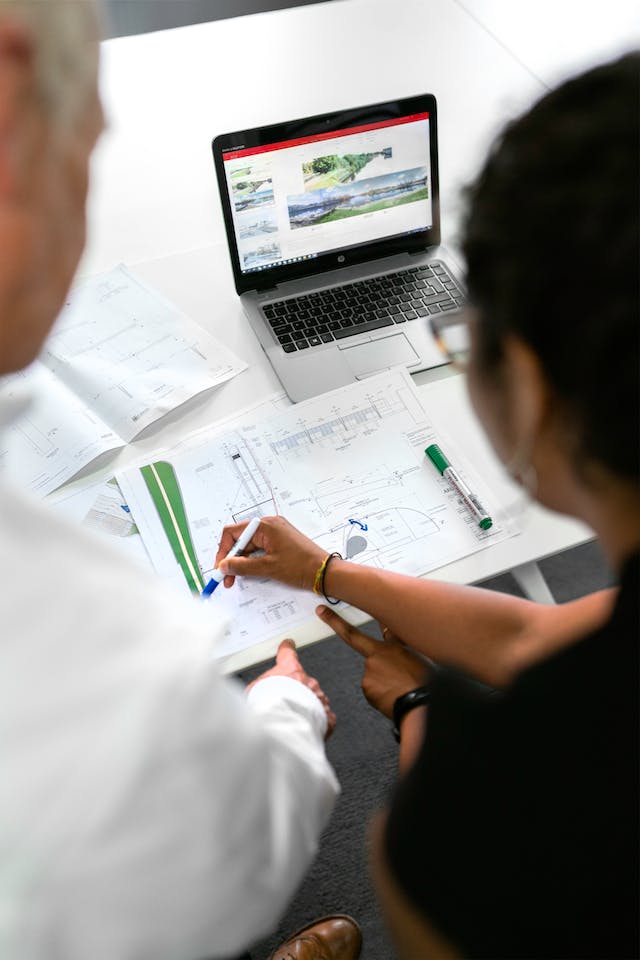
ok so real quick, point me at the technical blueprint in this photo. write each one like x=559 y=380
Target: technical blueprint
x=348 y=468
x=118 y=358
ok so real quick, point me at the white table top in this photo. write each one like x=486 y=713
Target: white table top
x=154 y=203
x=168 y=93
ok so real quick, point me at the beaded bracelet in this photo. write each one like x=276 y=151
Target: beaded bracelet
x=318 y=583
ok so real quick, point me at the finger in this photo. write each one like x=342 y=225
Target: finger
x=355 y=638
x=287 y=643
x=245 y=566
x=286 y=654
x=389 y=636
x=228 y=539
x=263 y=537
x=331 y=723
x=322 y=697
x=266 y=527
x=312 y=684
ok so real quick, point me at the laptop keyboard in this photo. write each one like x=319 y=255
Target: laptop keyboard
x=333 y=314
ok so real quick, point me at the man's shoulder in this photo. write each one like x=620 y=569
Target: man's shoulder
x=32 y=533
x=71 y=595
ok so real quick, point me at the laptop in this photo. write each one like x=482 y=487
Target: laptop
x=333 y=227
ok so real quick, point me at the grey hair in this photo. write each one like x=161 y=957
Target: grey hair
x=66 y=35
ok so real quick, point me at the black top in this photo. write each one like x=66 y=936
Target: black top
x=516 y=830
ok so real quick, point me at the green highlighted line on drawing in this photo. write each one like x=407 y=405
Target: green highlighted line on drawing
x=163 y=486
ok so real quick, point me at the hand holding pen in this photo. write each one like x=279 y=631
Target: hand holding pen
x=240 y=544
x=290 y=557
x=273 y=535
x=287 y=555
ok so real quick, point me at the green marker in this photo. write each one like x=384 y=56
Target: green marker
x=469 y=499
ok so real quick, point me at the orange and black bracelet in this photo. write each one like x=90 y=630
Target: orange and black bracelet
x=318 y=583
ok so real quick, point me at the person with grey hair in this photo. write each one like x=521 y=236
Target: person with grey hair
x=148 y=808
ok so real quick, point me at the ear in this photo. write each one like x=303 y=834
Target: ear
x=530 y=397
x=17 y=87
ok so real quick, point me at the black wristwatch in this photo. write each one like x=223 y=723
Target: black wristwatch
x=406 y=702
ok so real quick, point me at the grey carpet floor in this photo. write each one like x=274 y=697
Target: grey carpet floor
x=364 y=755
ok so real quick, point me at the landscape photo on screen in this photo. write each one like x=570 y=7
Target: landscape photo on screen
x=338 y=186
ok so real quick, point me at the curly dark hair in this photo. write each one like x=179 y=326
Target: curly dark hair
x=552 y=250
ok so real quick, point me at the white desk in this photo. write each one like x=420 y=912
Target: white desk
x=154 y=202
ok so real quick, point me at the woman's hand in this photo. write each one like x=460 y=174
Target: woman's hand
x=390 y=668
x=287 y=555
x=288 y=665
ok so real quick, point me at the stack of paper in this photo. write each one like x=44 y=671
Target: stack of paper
x=348 y=468
x=119 y=357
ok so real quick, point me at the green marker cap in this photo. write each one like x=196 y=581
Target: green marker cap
x=437 y=457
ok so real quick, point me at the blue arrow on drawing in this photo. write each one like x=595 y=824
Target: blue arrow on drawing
x=357 y=523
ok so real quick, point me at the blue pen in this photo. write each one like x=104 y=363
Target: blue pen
x=218 y=576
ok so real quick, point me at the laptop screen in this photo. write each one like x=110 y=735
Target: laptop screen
x=300 y=198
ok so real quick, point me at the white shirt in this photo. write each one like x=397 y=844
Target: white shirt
x=148 y=808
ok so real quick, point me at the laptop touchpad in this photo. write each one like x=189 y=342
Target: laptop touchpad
x=368 y=358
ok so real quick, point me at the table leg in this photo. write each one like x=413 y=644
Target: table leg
x=530 y=580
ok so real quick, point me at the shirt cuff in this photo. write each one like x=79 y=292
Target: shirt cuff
x=273 y=691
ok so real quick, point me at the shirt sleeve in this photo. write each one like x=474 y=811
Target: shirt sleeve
x=200 y=811
x=277 y=698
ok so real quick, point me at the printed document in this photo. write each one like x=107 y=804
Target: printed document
x=348 y=468
x=119 y=357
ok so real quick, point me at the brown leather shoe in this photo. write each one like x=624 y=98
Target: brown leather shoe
x=336 y=937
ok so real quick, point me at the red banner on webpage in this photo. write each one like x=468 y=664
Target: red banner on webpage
x=317 y=138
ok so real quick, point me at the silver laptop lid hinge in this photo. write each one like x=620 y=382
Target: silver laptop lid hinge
x=266 y=294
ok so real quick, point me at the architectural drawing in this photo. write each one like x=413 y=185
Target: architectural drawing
x=347 y=468
x=119 y=357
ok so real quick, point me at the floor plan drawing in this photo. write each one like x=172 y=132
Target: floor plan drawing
x=254 y=483
x=386 y=531
x=347 y=468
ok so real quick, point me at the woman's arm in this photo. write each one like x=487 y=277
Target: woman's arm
x=489 y=635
